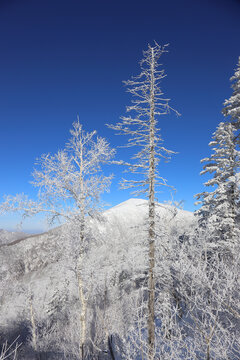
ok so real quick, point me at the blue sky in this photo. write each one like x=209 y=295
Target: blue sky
x=60 y=58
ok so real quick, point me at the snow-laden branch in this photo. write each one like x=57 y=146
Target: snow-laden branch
x=69 y=182
x=219 y=211
x=148 y=104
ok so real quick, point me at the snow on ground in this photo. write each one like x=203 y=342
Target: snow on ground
x=42 y=265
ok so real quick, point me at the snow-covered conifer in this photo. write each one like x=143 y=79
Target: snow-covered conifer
x=219 y=208
x=148 y=104
x=232 y=105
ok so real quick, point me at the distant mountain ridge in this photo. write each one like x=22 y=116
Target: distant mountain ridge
x=9 y=236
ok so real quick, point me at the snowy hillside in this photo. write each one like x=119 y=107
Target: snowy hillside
x=41 y=267
x=133 y=212
x=9 y=236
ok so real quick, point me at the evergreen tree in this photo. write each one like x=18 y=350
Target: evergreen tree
x=220 y=206
x=232 y=105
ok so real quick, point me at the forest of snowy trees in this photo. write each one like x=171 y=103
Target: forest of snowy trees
x=117 y=288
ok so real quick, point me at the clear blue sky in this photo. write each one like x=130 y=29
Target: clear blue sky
x=60 y=58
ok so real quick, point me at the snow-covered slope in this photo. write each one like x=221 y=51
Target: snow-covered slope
x=133 y=212
x=9 y=236
x=42 y=266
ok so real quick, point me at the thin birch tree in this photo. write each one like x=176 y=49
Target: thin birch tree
x=148 y=104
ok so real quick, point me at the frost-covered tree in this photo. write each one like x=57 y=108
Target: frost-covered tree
x=148 y=105
x=232 y=105
x=209 y=294
x=219 y=208
x=70 y=184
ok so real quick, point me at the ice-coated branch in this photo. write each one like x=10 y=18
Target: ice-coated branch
x=69 y=182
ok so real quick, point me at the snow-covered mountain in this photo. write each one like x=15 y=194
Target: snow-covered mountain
x=41 y=267
x=10 y=236
x=133 y=212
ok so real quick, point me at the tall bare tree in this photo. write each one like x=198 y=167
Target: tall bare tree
x=148 y=104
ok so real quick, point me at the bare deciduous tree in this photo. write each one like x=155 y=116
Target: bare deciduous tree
x=70 y=184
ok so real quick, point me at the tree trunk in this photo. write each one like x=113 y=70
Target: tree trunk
x=151 y=254
x=111 y=347
x=232 y=230
x=33 y=324
x=82 y=314
x=208 y=351
x=79 y=265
